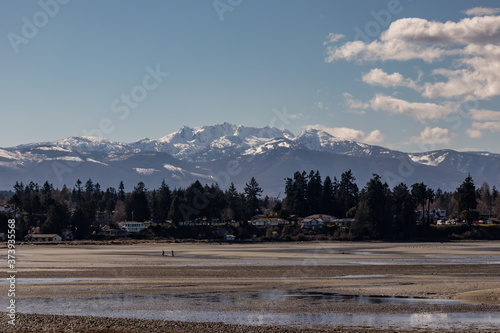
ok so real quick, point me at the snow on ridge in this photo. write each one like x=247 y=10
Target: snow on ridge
x=10 y=155
x=427 y=159
x=65 y=158
x=146 y=171
x=96 y=161
x=54 y=148
x=173 y=168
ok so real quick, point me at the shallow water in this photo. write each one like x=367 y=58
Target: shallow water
x=170 y=307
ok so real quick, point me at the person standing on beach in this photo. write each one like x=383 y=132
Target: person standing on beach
x=163 y=253
x=172 y=253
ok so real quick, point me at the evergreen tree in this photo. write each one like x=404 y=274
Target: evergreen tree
x=164 y=200
x=174 y=213
x=466 y=197
x=154 y=206
x=296 y=194
x=429 y=193
x=81 y=223
x=419 y=193
x=121 y=191
x=253 y=192
x=374 y=214
x=486 y=199
x=347 y=193
x=328 y=197
x=313 y=193
x=404 y=212
x=137 y=205
x=57 y=219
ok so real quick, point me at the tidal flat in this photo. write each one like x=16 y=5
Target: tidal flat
x=260 y=287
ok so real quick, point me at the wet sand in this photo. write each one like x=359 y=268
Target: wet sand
x=267 y=281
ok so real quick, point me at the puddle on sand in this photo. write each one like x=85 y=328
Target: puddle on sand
x=229 y=298
x=151 y=308
x=359 y=299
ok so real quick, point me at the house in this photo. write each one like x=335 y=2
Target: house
x=45 y=237
x=321 y=217
x=257 y=217
x=313 y=223
x=230 y=237
x=345 y=222
x=157 y=223
x=438 y=214
x=67 y=234
x=275 y=221
x=117 y=233
x=316 y=221
x=132 y=226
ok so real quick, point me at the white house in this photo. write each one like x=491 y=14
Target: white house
x=132 y=226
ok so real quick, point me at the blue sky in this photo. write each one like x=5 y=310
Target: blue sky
x=408 y=75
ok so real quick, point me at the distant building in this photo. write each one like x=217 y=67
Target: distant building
x=313 y=223
x=157 y=223
x=132 y=226
x=276 y=221
x=230 y=237
x=321 y=217
x=45 y=237
x=345 y=222
x=113 y=233
x=67 y=234
x=316 y=221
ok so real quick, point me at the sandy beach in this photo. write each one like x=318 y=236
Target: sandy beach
x=273 y=287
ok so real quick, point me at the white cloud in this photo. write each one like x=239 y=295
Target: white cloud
x=492 y=126
x=478 y=80
x=433 y=136
x=378 y=77
x=332 y=38
x=474 y=134
x=418 y=111
x=374 y=137
x=473 y=42
x=485 y=115
x=481 y=11
x=355 y=104
x=389 y=50
x=416 y=38
x=474 y=30
x=352 y=134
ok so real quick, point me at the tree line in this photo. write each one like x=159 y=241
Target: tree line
x=379 y=212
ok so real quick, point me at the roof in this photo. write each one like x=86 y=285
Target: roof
x=270 y=219
x=320 y=216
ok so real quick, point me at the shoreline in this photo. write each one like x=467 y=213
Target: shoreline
x=31 y=323
x=318 y=285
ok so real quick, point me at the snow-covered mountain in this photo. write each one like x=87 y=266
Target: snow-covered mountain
x=227 y=153
x=211 y=142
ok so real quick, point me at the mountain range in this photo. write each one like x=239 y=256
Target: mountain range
x=226 y=153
